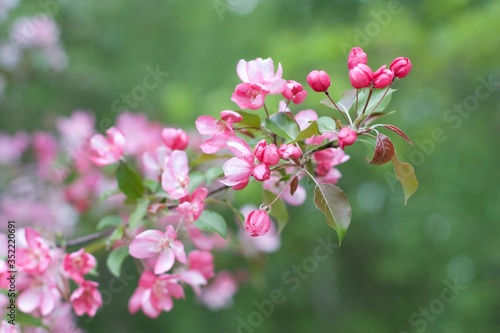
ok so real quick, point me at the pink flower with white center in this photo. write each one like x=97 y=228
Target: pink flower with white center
x=346 y=137
x=219 y=294
x=257 y=223
x=163 y=245
x=86 y=299
x=238 y=169
x=249 y=96
x=174 y=138
x=294 y=92
x=261 y=72
x=109 y=149
x=191 y=206
x=33 y=254
x=382 y=77
x=154 y=294
x=175 y=177
x=40 y=294
x=220 y=130
x=78 y=263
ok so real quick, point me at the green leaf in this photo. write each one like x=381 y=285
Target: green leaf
x=249 y=119
x=310 y=131
x=151 y=185
x=115 y=260
x=374 y=100
x=140 y=211
x=212 y=222
x=25 y=319
x=284 y=125
x=278 y=209
x=326 y=124
x=384 y=150
x=129 y=181
x=406 y=175
x=333 y=202
x=109 y=221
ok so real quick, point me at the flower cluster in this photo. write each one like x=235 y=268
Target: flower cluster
x=160 y=187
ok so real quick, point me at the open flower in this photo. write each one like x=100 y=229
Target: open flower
x=109 y=149
x=175 y=177
x=163 y=245
x=220 y=130
x=78 y=263
x=86 y=299
x=261 y=72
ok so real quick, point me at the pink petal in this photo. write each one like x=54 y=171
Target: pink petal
x=165 y=261
x=241 y=69
x=146 y=244
x=240 y=148
x=178 y=249
x=207 y=125
x=237 y=169
x=29 y=299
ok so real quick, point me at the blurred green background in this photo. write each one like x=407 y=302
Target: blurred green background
x=396 y=263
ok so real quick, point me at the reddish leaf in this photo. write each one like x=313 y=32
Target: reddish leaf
x=384 y=150
x=293 y=185
x=398 y=132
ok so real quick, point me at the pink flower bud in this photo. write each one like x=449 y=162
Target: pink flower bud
x=288 y=151
x=261 y=172
x=258 y=151
x=382 y=77
x=107 y=150
x=257 y=223
x=356 y=56
x=346 y=137
x=401 y=66
x=174 y=138
x=319 y=81
x=294 y=92
x=267 y=154
x=361 y=76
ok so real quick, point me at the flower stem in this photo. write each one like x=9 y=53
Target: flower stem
x=335 y=105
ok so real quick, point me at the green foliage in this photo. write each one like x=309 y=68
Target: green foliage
x=129 y=181
x=212 y=222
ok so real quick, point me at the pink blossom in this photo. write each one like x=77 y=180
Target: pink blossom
x=266 y=153
x=164 y=246
x=257 y=223
x=289 y=151
x=304 y=119
x=191 y=206
x=86 y=299
x=76 y=129
x=154 y=162
x=401 y=67
x=382 y=77
x=41 y=293
x=250 y=246
x=249 y=96
x=109 y=149
x=261 y=72
x=154 y=294
x=361 y=76
x=78 y=263
x=294 y=92
x=175 y=138
x=81 y=192
x=356 y=56
x=326 y=160
x=33 y=254
x=142 y=135
x=346 y=137
x=206 y=241
x=319 y=81
x=238 y=169
x=175 y=177
x=219 y=294
x=200 y=269
x=45 y=148
x=13 y=147
x=6 y=327
x=220 y=130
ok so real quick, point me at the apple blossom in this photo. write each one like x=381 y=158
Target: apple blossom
x=356 y=56
x=78 y=263
x=86 y=299
x=164 y=246
x=249 y=96
x=175 y=177
x=319 y=81
x=107 y=150
x=175 y=138
x=257 y=223
x=346 y=137
x=361 y=76
x=33 y=254
x=219 y=293
x=261 y=72
x=382 y=77
x=220 y=130
x=192 y=205
x=294 y=92
x=401 y=67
